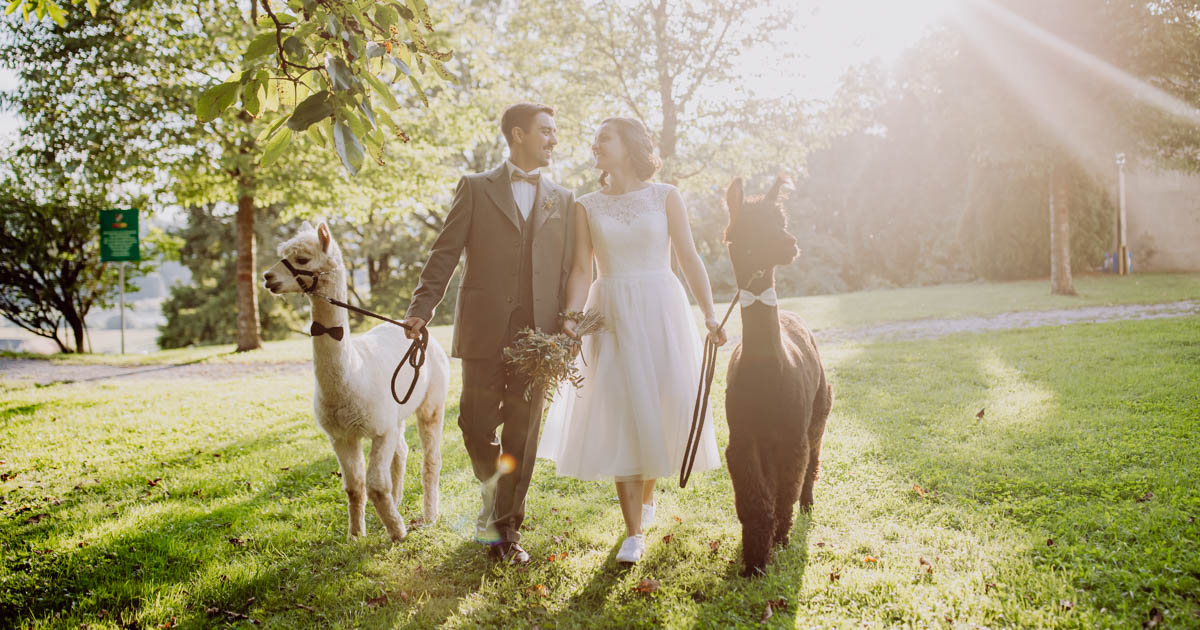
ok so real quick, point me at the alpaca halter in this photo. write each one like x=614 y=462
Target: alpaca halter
x=414 y=356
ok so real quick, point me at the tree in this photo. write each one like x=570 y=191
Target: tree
x=51 y=271
x=198 y=312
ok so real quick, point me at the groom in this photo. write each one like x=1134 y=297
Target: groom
x=517 y=229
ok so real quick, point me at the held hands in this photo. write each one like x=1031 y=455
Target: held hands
x=414 y=325
x=568 y=328
x=715 y=332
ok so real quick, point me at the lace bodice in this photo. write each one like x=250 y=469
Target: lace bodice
x=629 y=231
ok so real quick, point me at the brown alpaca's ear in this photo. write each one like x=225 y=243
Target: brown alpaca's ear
x=323 y=236
x=780 y=190
x=734 y=197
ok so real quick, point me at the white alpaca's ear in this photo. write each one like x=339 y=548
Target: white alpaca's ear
x=734 y=197
x=323 y=236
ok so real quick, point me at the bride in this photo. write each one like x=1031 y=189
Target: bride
x=630 y=419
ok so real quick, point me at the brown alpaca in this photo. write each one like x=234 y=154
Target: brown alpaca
x=776 y=398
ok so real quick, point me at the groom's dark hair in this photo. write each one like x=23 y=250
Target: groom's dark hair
x=521 y=115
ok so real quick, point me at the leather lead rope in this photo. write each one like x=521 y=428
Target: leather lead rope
x=708 y=366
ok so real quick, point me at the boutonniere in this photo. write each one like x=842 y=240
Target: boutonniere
x=548 y=204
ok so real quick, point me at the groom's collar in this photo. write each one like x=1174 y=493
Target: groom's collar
x=501 y=170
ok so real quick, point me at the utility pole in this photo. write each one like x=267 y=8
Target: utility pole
x=1122 y=262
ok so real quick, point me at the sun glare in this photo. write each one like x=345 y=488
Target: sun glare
x=830 y=36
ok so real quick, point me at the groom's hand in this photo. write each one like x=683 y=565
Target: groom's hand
x=413 y=325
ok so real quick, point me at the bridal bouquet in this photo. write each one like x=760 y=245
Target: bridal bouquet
x=546 y=359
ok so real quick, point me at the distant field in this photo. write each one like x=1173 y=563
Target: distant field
x=847 y=310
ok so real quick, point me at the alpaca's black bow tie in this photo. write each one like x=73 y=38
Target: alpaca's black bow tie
x=335 y=331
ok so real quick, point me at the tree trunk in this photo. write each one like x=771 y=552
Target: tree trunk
x=666 y=84
x=247 y=287
x=1060 y=232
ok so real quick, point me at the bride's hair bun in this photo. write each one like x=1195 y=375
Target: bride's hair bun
x=638 y=143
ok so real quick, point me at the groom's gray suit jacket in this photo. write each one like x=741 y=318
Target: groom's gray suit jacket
x=485 y=223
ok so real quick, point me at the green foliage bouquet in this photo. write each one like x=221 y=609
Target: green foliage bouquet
x=546 y=359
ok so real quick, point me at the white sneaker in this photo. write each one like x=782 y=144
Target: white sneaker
x=647 y=515
x=632 y=549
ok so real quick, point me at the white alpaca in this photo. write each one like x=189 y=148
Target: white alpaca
x=353 y=395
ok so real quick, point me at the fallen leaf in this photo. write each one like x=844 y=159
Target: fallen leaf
x=924 y=562
x=556 y=539
x=870 y=559
x=308 y=608
x=7 y=476
x=835 y=576
x=82 y=544
x=677 y=519
x=539 y=590
x=988 y=587
x=375 y=602
x=646 y=586
x=237 y=541
x=668 y=538
x=979 y=416
x=216 y=454
x=153 y=482
x=36 y=518
x=919 y=490
x=766 y=613
x=1066 y=604
x=170 y=623
x=1049 y=542
x=286 y=468
x=820 y=544
x=1145 y=497
x=1156 y=617
x=714 y=545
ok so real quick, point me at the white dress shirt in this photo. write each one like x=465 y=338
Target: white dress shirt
x=523 y=192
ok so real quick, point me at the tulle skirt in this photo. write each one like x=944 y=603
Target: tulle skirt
x=630 y=418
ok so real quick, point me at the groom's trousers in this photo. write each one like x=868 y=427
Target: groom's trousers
x=493 y=401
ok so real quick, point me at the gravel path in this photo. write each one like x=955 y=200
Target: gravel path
x=47 y=372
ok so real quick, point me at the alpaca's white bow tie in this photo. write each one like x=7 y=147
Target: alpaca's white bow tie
x=746 y=298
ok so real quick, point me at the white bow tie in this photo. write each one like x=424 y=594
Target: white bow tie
x=746 y=298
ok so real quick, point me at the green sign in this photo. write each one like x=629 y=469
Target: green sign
x=119 y=235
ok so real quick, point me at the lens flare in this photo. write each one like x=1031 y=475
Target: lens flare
x=506 y=464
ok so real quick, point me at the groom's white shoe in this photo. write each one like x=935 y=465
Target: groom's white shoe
x=647 y=515
x=632 y=549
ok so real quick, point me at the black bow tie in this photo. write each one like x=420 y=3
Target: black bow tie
x=336 y=331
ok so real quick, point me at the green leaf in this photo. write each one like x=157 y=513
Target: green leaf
x=93 y=6
x=314 y=134
x=442 y=71
x=349 y=148
x=401 y=65
x=404 y=12
x=305 y=30
x=308 y=5
x=339 y=73
x=275 y=147
x=421 y=11
x=263 y=44
x=215 y=100
x=364 y=104
x=56 y=13
x=295 y=49
x=331 y=25
x=417 y=87
x=315 y=108
x=389 y=99
x=353 y=120
x=386 y=16
x=269 y=130
x=375 y=50
x=12 y=6
x=250 y=101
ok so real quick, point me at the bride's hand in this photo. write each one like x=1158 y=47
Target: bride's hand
x=715 y=332
x=568 y=328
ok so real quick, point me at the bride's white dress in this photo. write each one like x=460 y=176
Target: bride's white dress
x=630 y=418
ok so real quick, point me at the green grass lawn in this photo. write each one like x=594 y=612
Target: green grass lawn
x=845 y=310
x=1071 y=503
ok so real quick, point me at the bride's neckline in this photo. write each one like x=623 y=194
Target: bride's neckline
x=628 y=192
